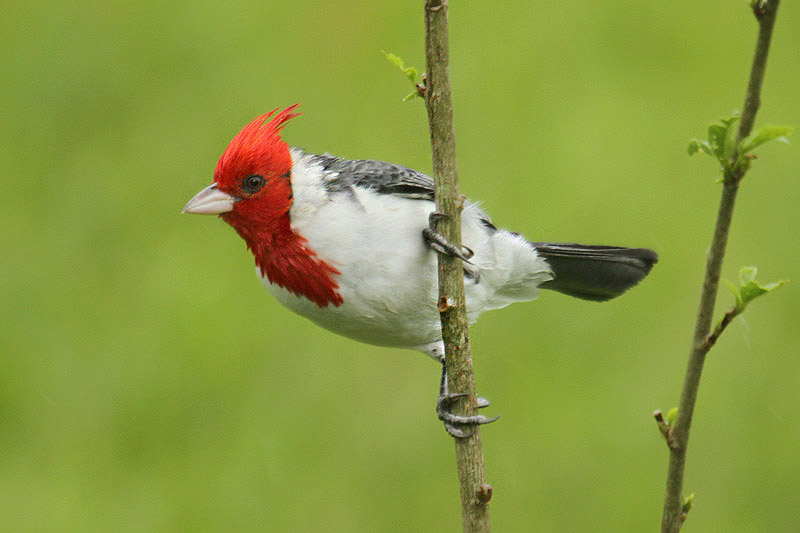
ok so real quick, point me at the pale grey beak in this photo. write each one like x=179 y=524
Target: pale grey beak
x=210 y=201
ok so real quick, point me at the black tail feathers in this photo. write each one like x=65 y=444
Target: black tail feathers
x=596 y=273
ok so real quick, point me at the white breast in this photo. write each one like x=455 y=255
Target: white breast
x=388 y=275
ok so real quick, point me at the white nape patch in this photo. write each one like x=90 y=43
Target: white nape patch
x=308 y=194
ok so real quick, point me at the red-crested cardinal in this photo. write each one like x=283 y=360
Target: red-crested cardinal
x=350 y=245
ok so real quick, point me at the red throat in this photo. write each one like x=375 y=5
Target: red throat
x=283 y=257
x=262 y=218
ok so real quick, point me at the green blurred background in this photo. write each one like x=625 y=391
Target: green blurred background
x=149 y=383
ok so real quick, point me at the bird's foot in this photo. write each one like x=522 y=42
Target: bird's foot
x=436 y=241
x=453 y=423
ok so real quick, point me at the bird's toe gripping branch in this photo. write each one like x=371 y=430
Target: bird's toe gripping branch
x=436 y=241
x=454 y=423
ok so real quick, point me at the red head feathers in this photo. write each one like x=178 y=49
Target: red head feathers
x=256 y=170
x=257 y=149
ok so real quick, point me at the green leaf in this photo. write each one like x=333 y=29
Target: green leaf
x=409 y=72
x=749 y=289
x=764 y=135
x=722 y=141
x=696 y=145
x=735 y=291
x=754 y=289
x=393 y=59
x=716 y=138
x=747 y=274
x=688 y=502
x=672 y=414
x=721 y=138
x=730 y=139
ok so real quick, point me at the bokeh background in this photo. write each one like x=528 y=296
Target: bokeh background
x=149 y=383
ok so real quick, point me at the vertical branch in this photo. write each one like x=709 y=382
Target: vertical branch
x=765 y=12
x=452 y=306
x=678 y=435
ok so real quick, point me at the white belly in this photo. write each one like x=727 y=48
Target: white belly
x=388 y=278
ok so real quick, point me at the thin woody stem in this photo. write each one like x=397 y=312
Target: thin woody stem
x=475 y=493
x=703 y=340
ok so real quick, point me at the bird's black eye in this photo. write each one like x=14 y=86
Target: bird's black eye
x=252 y=183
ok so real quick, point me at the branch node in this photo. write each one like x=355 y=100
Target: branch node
x=484 y=494
x=759 y=9
x=664 y=428
x=711 y=339
x=688 y=502
x=444 y=304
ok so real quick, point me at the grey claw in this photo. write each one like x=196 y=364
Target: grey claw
x=439 y=244
x=457 y=433
x=449 y=419
x=475 y=420
x=434 y=218
x=452 y=422
x=448 y=398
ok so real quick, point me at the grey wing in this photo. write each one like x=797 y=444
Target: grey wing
x=383 y=178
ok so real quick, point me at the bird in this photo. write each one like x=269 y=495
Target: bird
x=352 y=246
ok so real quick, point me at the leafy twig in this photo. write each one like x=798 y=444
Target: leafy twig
x=410 y=73
x=748 y=290
x=734 y=163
